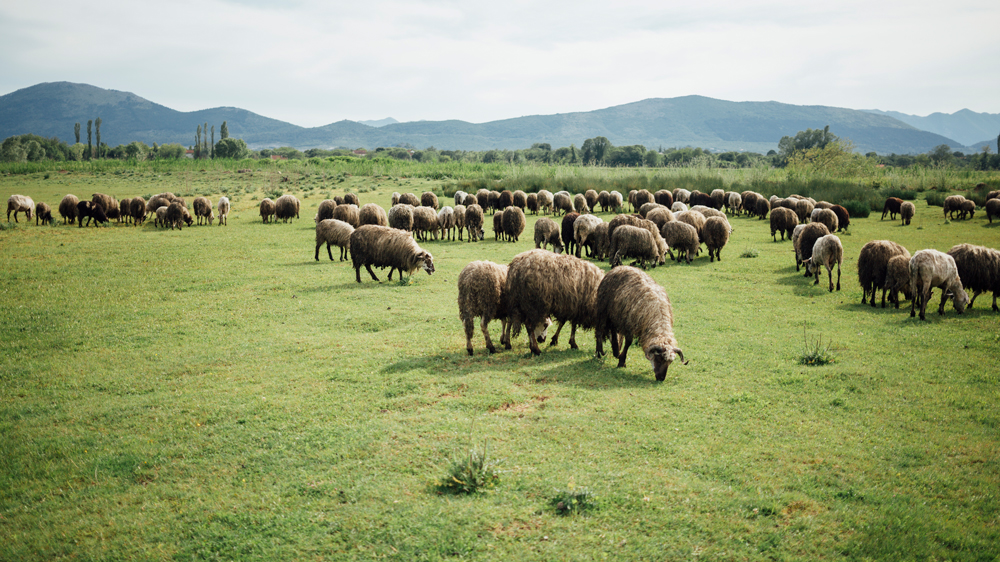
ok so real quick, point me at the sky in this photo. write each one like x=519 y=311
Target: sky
x=312 y=62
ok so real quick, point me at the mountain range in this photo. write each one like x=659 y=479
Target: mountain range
x=52 y=109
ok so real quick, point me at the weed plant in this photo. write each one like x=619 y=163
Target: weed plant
x=815 y=353
x=471 y=473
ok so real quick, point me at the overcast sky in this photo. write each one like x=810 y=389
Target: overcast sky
x=312 y=62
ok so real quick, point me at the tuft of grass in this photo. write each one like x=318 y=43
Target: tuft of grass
x=815 y=353
x=750 y=253
x=573 y=500
x=472 y=473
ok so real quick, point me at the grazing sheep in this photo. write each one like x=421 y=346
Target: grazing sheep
x=827 y=217
x=827 y=250
x=599 y=242
x=734 y=203
x=394 y=200
x=635 y=242
x=459 y=214
x=547 y=232
x=89 y=210
x=784 y=221
x=891 y=207
x=175 y=215
x=125 y=210
x=749 y=202
x=333 y=232
x=694 y=218
x=773 y=201
x=803 y=210
x=873 y=263
x=931 y=268
x=459 y=198
x=719 y=198
x=324 y=212
x=383 y=247
x=471 y=199
x=425 y=221
x=716 y=235
x=545 y=201
x=482 y=292
x=286 y=207
x=604 y=200
x=108 y=203
x=993 y=195
x=401 y=217
x=807 y=238
x=580 y=204
x=409 y=199
x=483 y=199
x=897 y=278
x=351 y=199
x=266 y=209
x=137 y=210
x=67 y=208
x=968 y=207
x=543 y=285
x=531 y=203
x=647 y=207
x=160 y=217
x=43 y=213
x=682 y=237
x=446 y=223
x=373 y=213
x=664 y=198
x=494 y=201
x=952 y=205
x=642 y=197
x=681 y=195
x=979 y=270
x=709 y=212
x=223 y=210
x=660 y=216
x=349 y=213
x=583 y=227
x=338 y=199
x=992 y=209
x=843 y=217
x=203 y=210
x=699 y=198
x=20 y=204
x=591 y=196
x=678 y=207
x=761 y=208
x=513 y=223
x=519 y=199
x=616 y=201
x=906 y=212
x=506 y=200
x=821 y=205
x=561 y=203
x=474 y=222
x=630 y=305
x=157 y=201
x=568 y=232
x=498 y=226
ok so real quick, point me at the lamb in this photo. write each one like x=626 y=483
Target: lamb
x=160 y=216
x=90 y=210
x=67 y=208
x=531 y=203
x=897 y=278
x=734 y=203
x=513 y=223
x=952 y=205
x=266 y=209
x=660 y=216
x=400 y=216
x=20 y=204
x=547 y=232
x=784 y=221
x=682 y=237
x=580 y=204
x=807 y=238
x=827 y=250
x=506 y=200
x=561 y=203
x=333 y=232
x=349 y=213
x=474 y=222
x=43 y=213
x=543 y=285
x=459 y=213
x=843 y=217
x=664 y=197
x=409 y=199
x=568 y=232
x=630 y=305
x=324 y=212
x=137 y=210
x=372 y=213
x=446 y=223
x=906 y=212
x=545 y=201
x=350 y=199
x=383 y=247
x=482 y=292
x=583 y=227
x=642 y=197
x=967 y=208
x=931 y=268
x=223 y=211
x=519 y=199
x=827 y=217
x=459 y=197
x=979 y=270
x=891 y=207
x=716 y=234
x=203 y=210
x=635 y=242
x=425 y=221
x=873 y=264
x=992 y=209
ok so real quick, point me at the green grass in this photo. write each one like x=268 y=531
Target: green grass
x=216 y=393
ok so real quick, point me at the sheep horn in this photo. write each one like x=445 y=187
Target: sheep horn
x=681 y=355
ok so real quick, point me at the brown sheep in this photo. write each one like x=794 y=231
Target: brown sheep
x=513 y=223
x=967 y=209
x=349 y=213
x=459 y=217
x=891 y=207
x=952 y=205
x=108 y=203
x=446 y=222
x=591 y=197
x=843 y=217
x=137 y=209
x=716 y=235
x=506 y=200
x=266 y=209
x=580 y=204
x=562 y=202
x=425 y=221
x=400 y=216
x=784 y=221
x=634 y=242
x=351 y=199
x=761 y=208
x=979 y=270
x=808 y=236
x=803 y=210
x=325 y=210
x=660 y=216
x=409 y=199
x=203 y=210
x=474 y=222
x=547 y=232
x=498 y=227
x=483 y=199
x=992 y=209
x=694 y=218
x=827 y=251
x=682 y=237
x=873 y=263
x=568 y=232
x=827 y=217
x=67 y=208
x=175 y=215
x=482 y=292
x=383 y=247
x=286 y=207
x=429 y=199
x=43 y=213
x=906 y=212
x=333 y=232
x=642 y=197
x=897 y=278
x=531 y=203
x=664 y=197
x=520 y=199
x=372 y=213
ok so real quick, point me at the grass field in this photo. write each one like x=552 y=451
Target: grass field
x=215 y=393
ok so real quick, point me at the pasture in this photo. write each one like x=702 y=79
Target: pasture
x=216 y=393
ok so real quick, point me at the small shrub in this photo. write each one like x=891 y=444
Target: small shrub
x=815 y=353
x=274 y=193
x=573 y=500
x=470 y=474
x=935 y=198
x=857 y=209
x=750 y=253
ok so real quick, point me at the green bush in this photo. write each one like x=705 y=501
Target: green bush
x=901 y=193
x=857 y=209
x=935 y=198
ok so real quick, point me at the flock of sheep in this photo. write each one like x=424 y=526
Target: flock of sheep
x=166 y=209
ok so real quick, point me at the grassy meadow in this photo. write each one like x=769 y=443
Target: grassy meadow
x=216 y=393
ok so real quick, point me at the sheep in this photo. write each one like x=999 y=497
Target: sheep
x=482 y=292
x=175 y=215
x=580 y=204
x=992 y=209
x=952 y=205
x=660 y=216
x=43 y=213
x=531 y=203
x=157 y=201
x=642 y=197
x=349 y=213
x=634 y=242
x=906 y=212
x=897 y=278
x=682 y=237
x=67 y=208
x=784 y=221
x=803 y=244
x=681 y=195
x=734 y=203
x=409 y=199
x=599 y=242
x=351 y=199
x=474 y=222
x=749 y=201
x=562 y=287
x=471 y=200
x=616 y=201
x=604 y=200
x=287 y=206
x=483 y=199
x=108 y=203
x=664 y=197
x=519 y=199
x=931 y=268
x=266 y=209
x=821 y=205
x=678 y=207
x=891 y=207
x=979 y=270
x=568 y=232
x=699 y=198
x=394 y=198
x=446 y=223
x=20 y=204
x=827 y=250
x=716 y=234
x=873 y=263
x=761 y=208
x=124 y=209
x=137 y=210
x=506 y=200
x=630 y=305
x=825 y=216
x=338 y=199
x=561 y=203
x=545 y=201
x=324 y=212
x=993 y=195
x=400 y=216
x=547 y=232
x=583 y=227
x=709 y=212
x=425 y=221
x=383 y=247
x=372 y=213
x=968 y=207
x=590 y=197
x=694 y=218
x=719 y=198
x=498 y=227
x=773 y=201
x=493 y=199
x=459 y=197
x=459 y=213
x=513 y=223
x=90 y=210
x=843 y=217
x=203 y=210
x=160 y=216
x=647 y=207
x=336 y=233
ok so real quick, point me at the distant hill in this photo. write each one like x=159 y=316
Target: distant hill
x=379 y=122
x=967 y=127
x=51 y=109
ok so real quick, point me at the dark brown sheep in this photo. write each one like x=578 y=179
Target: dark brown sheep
x=383 y=247
x=67 y=208
x=979 y=270
x=873 y=264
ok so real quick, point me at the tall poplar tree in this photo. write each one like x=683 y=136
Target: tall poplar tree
x=76 y=131
x=90 y=144
x=97 y=134
x=211 y=150
x=197 y=143
x=205 y=139
x=224 y=131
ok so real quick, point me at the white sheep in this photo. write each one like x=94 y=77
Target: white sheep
x=931 y=268
x=826 y=251
x=223 y=210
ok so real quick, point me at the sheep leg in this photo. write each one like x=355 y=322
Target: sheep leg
x=470 y=328
x=944 y=299
x=328 y=252
x=572 y=336
x=368 y=266
x=995 y=309
x=829 y=276
x=973 y=300
x=505 y=332
x=392 y=269
x=838 y=276
x=616 y=344
x=532 y=342
x=555 y=338
x=484 y=325
x=624 y=353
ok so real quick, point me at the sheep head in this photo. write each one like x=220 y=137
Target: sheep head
x=661 y=357
x=541 y=330
x=961 y=299
x=427 y=262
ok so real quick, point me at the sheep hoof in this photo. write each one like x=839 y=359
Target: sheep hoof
x=470 y=351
